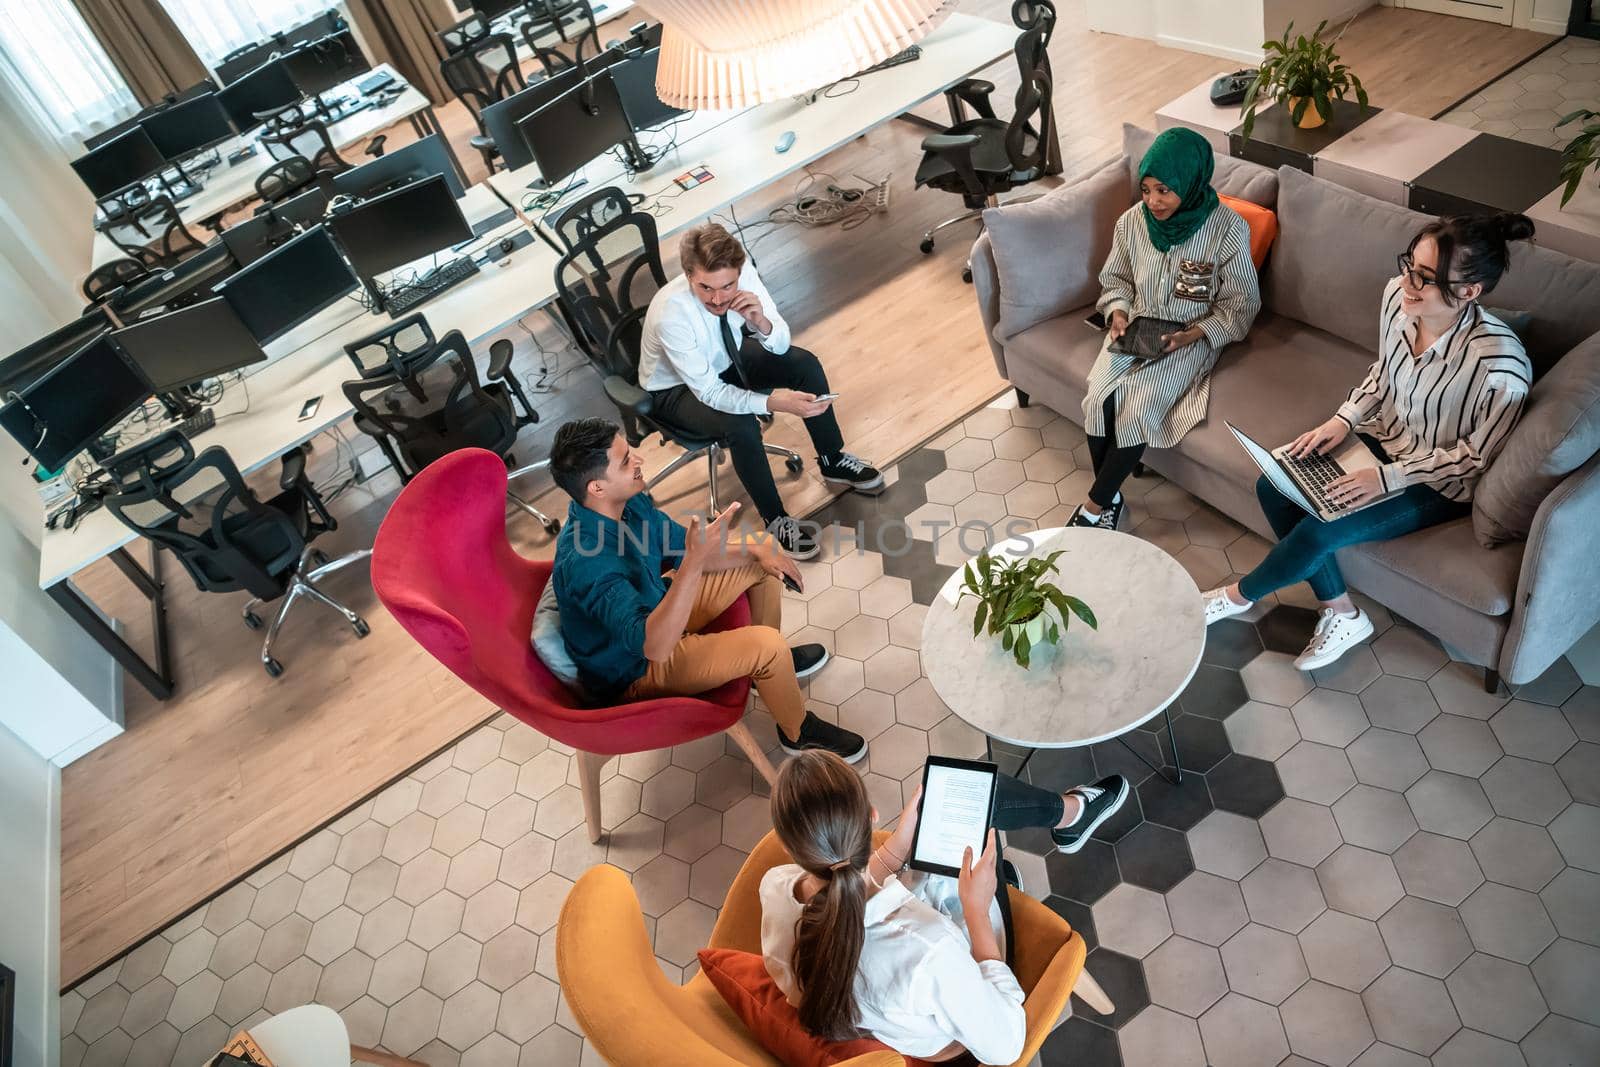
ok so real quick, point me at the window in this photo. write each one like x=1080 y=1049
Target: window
x=53 y=62
x=215 y=28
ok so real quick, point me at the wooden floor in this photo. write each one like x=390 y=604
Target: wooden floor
x=205 y=787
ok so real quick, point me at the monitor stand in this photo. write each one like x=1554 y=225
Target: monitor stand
x=180 y=404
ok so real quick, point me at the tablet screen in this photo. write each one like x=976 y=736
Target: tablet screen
x=956 y=803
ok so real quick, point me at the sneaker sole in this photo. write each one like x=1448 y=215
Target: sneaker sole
x=793 y=553
x=875 y=486
x=815 y=667
x=1314 y=663
x=1112 y=809
x=855 y=757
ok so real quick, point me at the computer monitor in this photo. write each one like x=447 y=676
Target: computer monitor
x=400 y=227
x=85 y=395
x=267 y=88
x=199 y=88
x=254 y=237
x=119 y=163
x=570 y=131
x=500 y=118
x=183 y=129
x=289 y=285
x=636 y=82
x=326 y=63
x=31 y=362
x=493 y=9
x=417 y=160
x=186 y=347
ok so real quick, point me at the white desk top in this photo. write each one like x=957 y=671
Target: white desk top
x=227 y=187
x=605 y=13
x=737 y=148
x=1094 y=684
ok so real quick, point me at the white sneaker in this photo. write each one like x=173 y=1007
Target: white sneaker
x=1335 y=634
x=1219 y=606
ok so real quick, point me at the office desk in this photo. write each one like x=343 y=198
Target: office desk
x=227 y=187
x=605 y=14
x=310 y=361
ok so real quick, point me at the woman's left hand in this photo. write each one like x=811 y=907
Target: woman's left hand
x=1356 y=488
x=1174 y=341
x=906 y=829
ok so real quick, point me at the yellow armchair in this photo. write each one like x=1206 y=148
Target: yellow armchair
x=635 y=1017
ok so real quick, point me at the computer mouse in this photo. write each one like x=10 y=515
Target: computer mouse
x=785 y=142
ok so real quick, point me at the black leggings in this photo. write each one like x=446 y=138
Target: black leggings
x=1019 y=806
x=1112 y=465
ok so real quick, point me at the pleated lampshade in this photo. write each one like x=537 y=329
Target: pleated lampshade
x=722 y=54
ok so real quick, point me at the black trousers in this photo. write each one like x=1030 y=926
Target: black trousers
x=764 y=372
x=1112 y=465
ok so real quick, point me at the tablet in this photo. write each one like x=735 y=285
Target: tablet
x=955 y=813
x=1143 y=337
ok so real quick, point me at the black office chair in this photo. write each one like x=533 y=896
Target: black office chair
x=153 y=233
x=420 y=398
x=292 y=134
x=109 y=277
x=472 y=28
x=980 y=158
x=285 y=180
x=484 y=71
x=226 y=537
x=603 y=296
x=572 y=21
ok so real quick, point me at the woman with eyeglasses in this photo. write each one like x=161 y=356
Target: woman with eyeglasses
x=1447 y=387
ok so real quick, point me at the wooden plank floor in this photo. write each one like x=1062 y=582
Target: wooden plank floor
x=205 y=787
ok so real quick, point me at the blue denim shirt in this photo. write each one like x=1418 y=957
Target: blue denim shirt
x=608 y=579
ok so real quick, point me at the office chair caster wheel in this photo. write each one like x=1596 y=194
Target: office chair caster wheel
x=274 y=668
x=552 y=526
x=361 y=628
x=966 y=275
x=252 y=620
x=795 y=465
x=926 y=246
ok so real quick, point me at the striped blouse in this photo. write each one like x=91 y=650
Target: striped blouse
x=1443 y=413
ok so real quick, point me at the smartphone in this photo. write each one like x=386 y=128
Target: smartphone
x=790 y=584
x=1097 y=320
x=827 y=396
x=956 y=812
x=309 y=408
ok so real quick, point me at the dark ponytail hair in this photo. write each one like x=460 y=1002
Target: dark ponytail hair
x=821 y=813
x=1473 y=248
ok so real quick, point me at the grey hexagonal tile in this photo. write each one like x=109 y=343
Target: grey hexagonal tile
x=1263 y=963
x=1401 y=704
x=1226 y=844
x=1185 y=976
x=1472 y=1049
x=1438 y=868
x=1329 y=717
x=1387 y=758
x=412 y=1023
x=1577 y=833
x=1132 y=920
x=1516 y=854
x=1359 y=882
x=1425 y=937
x=1283 y=895
x=1261 y=730
x=1373 y=818
x=1409 y=653
x=1344 y=950
x=1532 y=731
x=1317 y=773
x=1244 y=1032
x=1206 y=908
x=1568 y=974
x=1300 y=832
x=1572 y=900
x=1459 y=745
x=1499 y=997
x=1449 y=804
x=1411 y=1011
x=1326 y=1024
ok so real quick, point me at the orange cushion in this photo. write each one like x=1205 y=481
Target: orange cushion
x=742 y=980
x=1263 y=223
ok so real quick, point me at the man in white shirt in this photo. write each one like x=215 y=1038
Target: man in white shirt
x=708 y=377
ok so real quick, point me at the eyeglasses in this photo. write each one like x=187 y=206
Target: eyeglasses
x=1415 y=278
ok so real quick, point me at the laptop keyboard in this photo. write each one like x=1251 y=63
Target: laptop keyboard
x=1315 y=472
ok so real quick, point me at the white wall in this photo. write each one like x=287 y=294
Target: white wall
x=30 y=890
x=1231 y=29
x=1305 y=14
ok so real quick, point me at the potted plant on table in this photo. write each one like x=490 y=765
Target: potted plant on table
x=1581 y=153
x=1304 y=75
x=1015 y=602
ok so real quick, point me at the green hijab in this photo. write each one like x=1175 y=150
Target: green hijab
x=1181 y=160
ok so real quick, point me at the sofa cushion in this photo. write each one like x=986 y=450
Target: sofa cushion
x=549 y=645
x=1263 y=223
x=1232 y=177
x=1559 y=431
x=1065 y=345
x=1448 y=560
x=1036 y=282
x=1561 y=296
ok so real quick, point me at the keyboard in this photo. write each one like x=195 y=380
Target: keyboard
x=910 y=55
x=402 y=300
x=195 y=425
x=1314 y=473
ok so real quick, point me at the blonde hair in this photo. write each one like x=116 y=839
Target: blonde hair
x=709 y=247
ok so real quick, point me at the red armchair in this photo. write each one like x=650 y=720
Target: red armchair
x=444 y=568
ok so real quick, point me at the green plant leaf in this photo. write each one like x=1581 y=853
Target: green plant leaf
x=980 y=618
x=1083 y=612
x=1581 y=113
x=1055 y=634
x=1023 y=647
x=1005 y=640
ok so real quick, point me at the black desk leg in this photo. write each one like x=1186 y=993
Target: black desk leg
x=158 y=678
x=1176 y=777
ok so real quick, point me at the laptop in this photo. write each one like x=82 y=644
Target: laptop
x=1305 y=480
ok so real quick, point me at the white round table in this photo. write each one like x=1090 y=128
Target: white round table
x=1094 y=685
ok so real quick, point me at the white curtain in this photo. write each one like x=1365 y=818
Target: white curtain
x=53 y=65
x=216 y=27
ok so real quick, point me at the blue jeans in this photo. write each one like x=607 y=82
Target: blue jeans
x=1306 y=546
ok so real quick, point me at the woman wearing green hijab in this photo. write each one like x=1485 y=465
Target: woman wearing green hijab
x=1177 y=255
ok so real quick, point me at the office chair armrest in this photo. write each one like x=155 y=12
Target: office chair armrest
x=974 y=92
x=500 y=358
x=375 y=146
x=294 y=468
x=627 y=396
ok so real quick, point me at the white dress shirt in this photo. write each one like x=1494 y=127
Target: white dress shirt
x=682 y=345
x=917 y=987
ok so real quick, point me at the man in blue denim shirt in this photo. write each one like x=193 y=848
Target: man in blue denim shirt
x=635 y=630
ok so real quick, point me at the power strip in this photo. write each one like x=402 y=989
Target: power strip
x=368 y=464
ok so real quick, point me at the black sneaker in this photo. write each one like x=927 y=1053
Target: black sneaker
x=820 y=733
x=844 y=469
x=792 y=538
x=808 y=659
x=1100 y=801
x=1107 y=520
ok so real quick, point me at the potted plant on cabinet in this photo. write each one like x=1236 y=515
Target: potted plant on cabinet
x=1304 y=75
x=1015 y=602
x=1581 y=153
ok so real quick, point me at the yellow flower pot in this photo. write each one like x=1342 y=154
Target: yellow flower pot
x=1312 y=117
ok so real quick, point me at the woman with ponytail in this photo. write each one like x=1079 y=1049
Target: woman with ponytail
x=1442 y=397
x=914 y=960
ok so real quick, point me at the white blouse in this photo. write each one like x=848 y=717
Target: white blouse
x=917 y=987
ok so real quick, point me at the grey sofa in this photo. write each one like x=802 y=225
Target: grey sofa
x=1512 y=609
